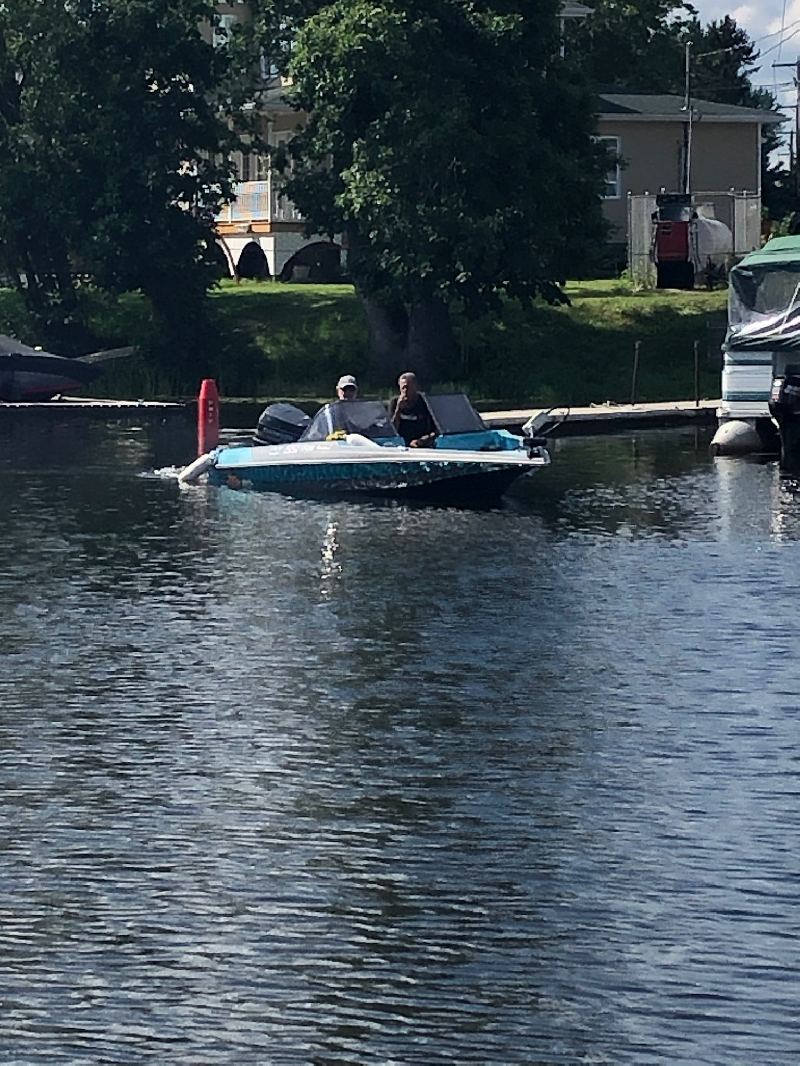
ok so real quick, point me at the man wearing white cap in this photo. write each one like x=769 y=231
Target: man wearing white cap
x=347 y=387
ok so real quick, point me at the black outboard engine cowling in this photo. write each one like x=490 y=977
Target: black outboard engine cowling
x=281 y=423
x=784 y=406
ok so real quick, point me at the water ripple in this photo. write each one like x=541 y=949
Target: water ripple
x=291 y=782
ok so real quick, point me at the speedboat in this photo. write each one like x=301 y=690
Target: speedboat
x=351 y=447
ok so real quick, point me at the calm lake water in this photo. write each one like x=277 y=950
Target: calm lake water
x=301 y=782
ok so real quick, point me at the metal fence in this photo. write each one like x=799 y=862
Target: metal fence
x=641 y=268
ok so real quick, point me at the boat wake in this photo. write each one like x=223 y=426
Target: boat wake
x=163 y=473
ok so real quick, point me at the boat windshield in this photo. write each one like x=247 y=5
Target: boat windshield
x=453 y=413
x=367 y=417
x=764 y=305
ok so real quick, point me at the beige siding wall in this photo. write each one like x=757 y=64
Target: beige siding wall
x=725 y=155
x=721 y=150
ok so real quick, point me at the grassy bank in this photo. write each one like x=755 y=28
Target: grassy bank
x=295 y=340
x=585 y=353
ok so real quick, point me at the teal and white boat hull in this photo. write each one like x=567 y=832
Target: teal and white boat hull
x=352 y=448
x=362 y=467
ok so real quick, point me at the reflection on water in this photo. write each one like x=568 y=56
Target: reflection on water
x=302 y=782
x=331 y=568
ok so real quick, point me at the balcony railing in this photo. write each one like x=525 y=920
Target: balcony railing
x=258 y=201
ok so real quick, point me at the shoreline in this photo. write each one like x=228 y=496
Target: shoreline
x=554 y=421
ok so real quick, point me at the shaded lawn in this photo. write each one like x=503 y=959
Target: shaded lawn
x=280 y=340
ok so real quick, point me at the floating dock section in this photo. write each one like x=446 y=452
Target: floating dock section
x=604 y=417
x=558 y=421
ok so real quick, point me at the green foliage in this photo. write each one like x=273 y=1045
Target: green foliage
x=447 y=144
x=723 y=60
x=281 y=338
x=635 y=44
x=449 y=141
x=583 y=354
x=14 y=318
x=110 y=137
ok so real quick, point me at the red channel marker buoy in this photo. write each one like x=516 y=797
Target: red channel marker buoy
x=207 y=416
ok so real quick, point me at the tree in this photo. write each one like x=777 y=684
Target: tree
x=447 y=145
x=723 y=58
x=111 y=141
x=638 y=44
x=36 y=181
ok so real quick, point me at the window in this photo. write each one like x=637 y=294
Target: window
x=222 y=30
x=613 y=188
x=268 y=69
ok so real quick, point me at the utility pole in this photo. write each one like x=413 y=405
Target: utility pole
x=687 y=126
x=795 y=154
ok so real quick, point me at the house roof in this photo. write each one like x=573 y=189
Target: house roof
x=661 y=107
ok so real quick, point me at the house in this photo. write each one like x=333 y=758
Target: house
x=656 y=144
x=712 y=150
x=262 y=232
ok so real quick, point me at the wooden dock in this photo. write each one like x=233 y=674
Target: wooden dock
x=581 y=421
x=604 y=417
x=555 y=422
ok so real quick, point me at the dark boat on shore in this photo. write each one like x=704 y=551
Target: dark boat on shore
x=30 y=375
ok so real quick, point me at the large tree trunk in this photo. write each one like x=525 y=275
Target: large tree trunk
x=184 y=337
x=387 y=324
x=420 y=340
x=431 y=345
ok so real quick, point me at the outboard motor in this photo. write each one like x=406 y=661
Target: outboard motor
x=281 y=423
x=784 y=406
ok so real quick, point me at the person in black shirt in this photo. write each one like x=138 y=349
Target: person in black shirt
x=410 y=415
